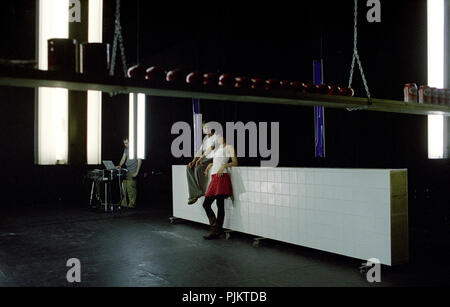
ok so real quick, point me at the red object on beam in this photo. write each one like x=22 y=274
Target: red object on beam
x=322 y=89
x=195 y=78
x=137 y=72
x=175 y=76
x=226 y=80
x=296 y=86
x=309 y=88
x=272 y=84
x=242 y=82
x=285 y=85
x=347 y=92
x=155 y=74
x=334 y=90
x=210 y=79
x=258 y=83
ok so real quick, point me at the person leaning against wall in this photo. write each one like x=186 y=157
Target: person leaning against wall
x=220 y=187
x=195 y=171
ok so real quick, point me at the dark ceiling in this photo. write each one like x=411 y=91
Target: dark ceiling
x=269 y=39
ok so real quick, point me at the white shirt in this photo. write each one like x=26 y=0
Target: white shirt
x=221 y=157
x=208 y=142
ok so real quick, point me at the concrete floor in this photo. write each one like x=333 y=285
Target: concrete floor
x=142 y=249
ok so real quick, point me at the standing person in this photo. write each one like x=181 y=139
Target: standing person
x=195 y=171
x=133 y=166
x=220 y=187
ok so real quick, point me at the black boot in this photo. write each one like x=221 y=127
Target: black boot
x=214 y=233
x=220 y=225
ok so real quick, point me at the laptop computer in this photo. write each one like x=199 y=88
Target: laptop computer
x=109 y=165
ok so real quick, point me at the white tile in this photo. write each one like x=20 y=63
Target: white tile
x=271 y=211
x=319 y=191
x=333 y=192
x=251 y=174
x=257 y=198
x=246 y=196
x=301 y=201
x=309 y=178
x=263 y=175
x=278 y=200
x=270 y=176
x=264 y=187
x=286 y=212
x=285 y=188
x=264 y=198
x=319 y=204
x=292 y=177
x=264 y=207
x=301 y=177
x=257 y=175
x=326 y=178
x=359 y=194
x=301 y=188
x=344 y=179
x=240 y=197
x=381 y=226
x=360 y=208
x=348 y=211
x=293 y=189
x=359 y=180
x=325 y=218
x=244 y=173
x=285 y=176
x=271 y=199
x=346 y=193
x=319 y=178
x=278 y=188
x=379 y=181
x=271 y=187
x=277 y=176
x=285 y=200
x=309 y=191
x=381 y=196
x=293 y=201
x=345 y=207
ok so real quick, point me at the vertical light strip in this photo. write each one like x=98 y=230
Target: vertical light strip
x=94 y=103
x=141 y=124
x=95 y=33
x=436 y=43
x=53 y=128
x=94 y=127
x=132 y=126
x=53 y=23
x=436 y=60
x=435 y=136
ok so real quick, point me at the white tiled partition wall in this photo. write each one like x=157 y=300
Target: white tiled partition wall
x=342 y=211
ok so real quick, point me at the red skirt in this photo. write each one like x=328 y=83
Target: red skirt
x=219 y=186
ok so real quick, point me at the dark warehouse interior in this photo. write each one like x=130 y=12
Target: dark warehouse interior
x=45 y=215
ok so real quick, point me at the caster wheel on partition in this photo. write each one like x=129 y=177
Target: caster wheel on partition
x=227 y=235
x=257 y=242
x=363 y=269
x=173 y=220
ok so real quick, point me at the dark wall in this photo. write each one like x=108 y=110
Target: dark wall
x=254 y=39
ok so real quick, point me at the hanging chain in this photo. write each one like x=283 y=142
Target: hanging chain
x=356 y=57
x=118 y=38
x=355 y=43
